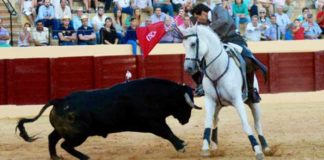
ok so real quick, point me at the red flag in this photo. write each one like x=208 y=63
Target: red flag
x=149 y=36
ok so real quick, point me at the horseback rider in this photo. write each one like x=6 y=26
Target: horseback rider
x=222 y=23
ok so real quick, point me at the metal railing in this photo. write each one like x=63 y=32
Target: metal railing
x=12 y=12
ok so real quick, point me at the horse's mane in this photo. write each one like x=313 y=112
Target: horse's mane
x=208 y=31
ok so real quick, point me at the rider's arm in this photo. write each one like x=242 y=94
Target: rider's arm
x=219 y=18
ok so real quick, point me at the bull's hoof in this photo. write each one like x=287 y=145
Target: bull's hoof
x=182 y=150
x=205 y=153
x=259 y=156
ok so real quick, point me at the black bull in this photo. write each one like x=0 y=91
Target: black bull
x=140 y=105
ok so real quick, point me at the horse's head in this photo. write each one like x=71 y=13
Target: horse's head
x=195 y=49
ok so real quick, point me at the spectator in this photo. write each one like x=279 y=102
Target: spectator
x=254 y=29
x=38 y=4
x=241 y=14
x=40 y=34
x=137 y=16
x=66 y=33
x=4 y=36
x=282 y=20
x=25 y=36
x=98 y=22
x=210 y=4
x=158 y=15
x=119 y=26
x=298 y=30
x=76 y=21
x=125 y=6
x=186 y=23
x=177 y=4
x=86 y=34
x=180 y=17
x=253 y=8
x=60 y=11
x=228 y=6
x=145 y=6
x=95 y=2
x=267 y=4
x=85 y=2
x=131 y=37
x=107 y=4
x=320 y=16
x=28 y=9
x=46 y=14
x=289 y=7
x=303 y=16
x=188 y=5
x=263 y=20
x=273 y=32
x=147 y=22
x=278 y=3
x=312 y=29
x=169 y=36
x=165 y=6
x=289 y=35
x=108 y=33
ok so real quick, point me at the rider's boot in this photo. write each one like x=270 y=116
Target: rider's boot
x=253 y=94
x=199 y=91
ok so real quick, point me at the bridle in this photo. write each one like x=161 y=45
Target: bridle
x=203 y=66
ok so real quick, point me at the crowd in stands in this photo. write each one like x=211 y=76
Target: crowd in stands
x=256 y=20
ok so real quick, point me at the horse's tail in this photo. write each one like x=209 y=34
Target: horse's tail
x=20 y=124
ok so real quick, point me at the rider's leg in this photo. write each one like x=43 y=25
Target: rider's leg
x=250 y=71
x=197 y=77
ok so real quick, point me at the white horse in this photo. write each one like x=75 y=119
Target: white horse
x=222 y=83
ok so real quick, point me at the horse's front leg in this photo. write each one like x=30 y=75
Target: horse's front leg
x=210 y=105
x=239 y=105
x=214 y=136
x=256 y=112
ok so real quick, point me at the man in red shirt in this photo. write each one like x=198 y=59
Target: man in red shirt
x=320 y=16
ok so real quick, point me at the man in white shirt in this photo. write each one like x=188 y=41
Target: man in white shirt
x=125 y=6
x=145 y=6
x=254 y=29
x=98 y=22
x=282 y=20
x=60 y=11
x=40 y=34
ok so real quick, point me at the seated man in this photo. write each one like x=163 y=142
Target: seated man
x=46 y=14
x=4 y=36
x=126 y=6
x=86 y=34
x=40 y=34
x=165 y=5
x=66 y=33
x=312 y=29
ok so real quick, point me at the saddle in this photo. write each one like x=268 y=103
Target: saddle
x=234 y=51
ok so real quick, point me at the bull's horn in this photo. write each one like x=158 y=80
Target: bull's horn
x=189 y=101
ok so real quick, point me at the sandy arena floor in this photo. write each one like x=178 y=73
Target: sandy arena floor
x=293 y=123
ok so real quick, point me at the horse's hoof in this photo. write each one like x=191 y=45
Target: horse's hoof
x=184 y=143
x=57 y=158
x=259 y=156
x=205 y=153
x=267 y=151
x=213 y=146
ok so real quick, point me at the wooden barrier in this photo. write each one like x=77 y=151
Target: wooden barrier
x=36 y=74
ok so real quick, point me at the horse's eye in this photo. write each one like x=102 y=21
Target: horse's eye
x=192 y=45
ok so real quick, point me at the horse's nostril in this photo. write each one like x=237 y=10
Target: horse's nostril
x=189 y=68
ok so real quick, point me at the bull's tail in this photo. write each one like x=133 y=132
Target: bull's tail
x=20 y=124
